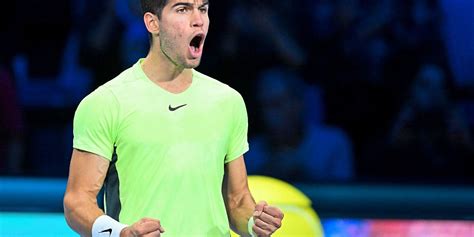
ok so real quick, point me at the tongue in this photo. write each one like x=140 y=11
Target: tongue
x=195 y=51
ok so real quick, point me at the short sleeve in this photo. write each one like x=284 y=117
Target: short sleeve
x=95 y=123
x=238 y=144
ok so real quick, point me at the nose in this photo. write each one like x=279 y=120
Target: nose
x=197 y=19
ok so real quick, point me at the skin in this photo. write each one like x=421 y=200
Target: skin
x=169 y=64
x=241 y=206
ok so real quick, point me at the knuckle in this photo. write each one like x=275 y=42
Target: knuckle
x=278 y=223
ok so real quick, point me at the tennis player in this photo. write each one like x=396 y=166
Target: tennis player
x=166 y=142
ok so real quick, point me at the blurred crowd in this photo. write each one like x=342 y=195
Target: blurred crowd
x=336 y=90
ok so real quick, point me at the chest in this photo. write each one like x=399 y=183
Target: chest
x=167 y=123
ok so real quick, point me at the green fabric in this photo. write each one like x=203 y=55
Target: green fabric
x=170 y=163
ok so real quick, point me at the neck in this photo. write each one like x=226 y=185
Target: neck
x=161 y=70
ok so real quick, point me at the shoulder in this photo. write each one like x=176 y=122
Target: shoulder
x=122 y=81
x=105 y=95
x=100 y=101
x=214 y=84
x=101 y=94
x=118 y=86
x=217 y=88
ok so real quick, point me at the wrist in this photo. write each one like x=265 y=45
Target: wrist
x=104 y=225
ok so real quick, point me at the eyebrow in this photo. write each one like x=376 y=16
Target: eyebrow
x=188 y=4
x=205 y=3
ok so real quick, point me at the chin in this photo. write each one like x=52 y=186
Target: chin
x=190 y=65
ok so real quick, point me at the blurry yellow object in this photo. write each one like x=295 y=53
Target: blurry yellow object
x=275 y=191
x=300 y=219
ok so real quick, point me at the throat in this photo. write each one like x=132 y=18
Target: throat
x=169 y=77
x=179 y=84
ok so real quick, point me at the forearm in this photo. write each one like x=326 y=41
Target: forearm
x=240 y=209
x=81 y=211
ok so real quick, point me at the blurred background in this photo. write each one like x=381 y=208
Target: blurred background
x=367 y=106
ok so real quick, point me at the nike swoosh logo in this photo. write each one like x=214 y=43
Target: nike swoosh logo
x=107 y=230
x=175 y=108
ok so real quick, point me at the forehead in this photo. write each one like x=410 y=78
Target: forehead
x=194 y=2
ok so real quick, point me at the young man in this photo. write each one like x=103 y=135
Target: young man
x=167 y=140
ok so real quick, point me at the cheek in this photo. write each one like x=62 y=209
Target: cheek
x=174 y=30
x=207 y=23
x=174 y=38
x=179 y=35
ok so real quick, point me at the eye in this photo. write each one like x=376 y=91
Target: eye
x=181 y=10
x=203 y=10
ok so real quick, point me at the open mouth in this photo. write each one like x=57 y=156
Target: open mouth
x=196 y=43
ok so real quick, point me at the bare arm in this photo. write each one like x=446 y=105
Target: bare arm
x=239 y=202
x=86 y=177
x=241 y=205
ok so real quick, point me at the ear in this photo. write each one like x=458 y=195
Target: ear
x=151 y=23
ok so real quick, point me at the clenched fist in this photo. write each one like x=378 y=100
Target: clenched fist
x=145 y=227
x=267 y=219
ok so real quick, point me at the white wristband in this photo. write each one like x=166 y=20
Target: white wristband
x=106 y=226
x=250 y=227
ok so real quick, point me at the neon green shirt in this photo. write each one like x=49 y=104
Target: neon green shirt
x=170 y=149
